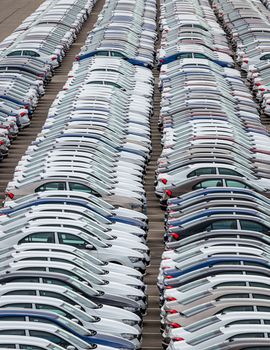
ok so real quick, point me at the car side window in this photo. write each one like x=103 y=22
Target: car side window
x=8 y=346
x=21 y=292
x=202 y=171
x=199 y=55
x=30 y=53
x=208 y=183
x=25 y=280
x=184 y=55
x=15 y=53
x=29 y=347
x=224 y=224
x=234 y=296
x=45 y=293
x=56 y=310
x=225 y=171
x=237 y=308
x=265 y=57
x=234 y=183
x=39 y=319
x=49 y=336
x=116 y=54
x=73 y=186
x=12 y=332
x=253 y=226
x=248 y=335
x=20 y=305
x=12 y=318
x=39 y=237
x=51 y=186
x=102 y=53
x=69 y=239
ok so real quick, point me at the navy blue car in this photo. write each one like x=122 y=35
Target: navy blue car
x=189 y=54
x=91 y=337
x=113 y=53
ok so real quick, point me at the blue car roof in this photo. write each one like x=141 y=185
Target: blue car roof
x=79 y=202
x=215 y=261
x=208 y=212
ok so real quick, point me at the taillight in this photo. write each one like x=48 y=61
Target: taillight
x=161 y=60
x=175 y=235
x=53 y=58
x=245 y=60
x=171 y=299
x=2 y=142
x=177 y=339
x=171 y=311
x=41 y=75
x=169 y=277
x=164 y=181
x=10 y=195
x=22 y=114
x=168 y=287
x=77 y=58
x=168 y=193
x=175 y=325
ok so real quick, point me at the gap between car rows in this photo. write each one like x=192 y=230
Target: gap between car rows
x=27 y=135
x=151 y=331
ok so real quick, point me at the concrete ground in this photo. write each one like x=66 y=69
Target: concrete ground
x=13 y=12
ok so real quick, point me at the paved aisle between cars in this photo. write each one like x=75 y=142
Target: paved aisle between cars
x=13 y=12
x=27 y=135
x=151 y=331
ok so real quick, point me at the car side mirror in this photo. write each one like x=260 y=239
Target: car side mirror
x=75 y=320
x=77 y=306
x=89 y=246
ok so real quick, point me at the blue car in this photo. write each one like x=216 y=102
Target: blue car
x=189 y=54
x=208 y=212
x=113 y=53
x=174 y=273
x=91 y=337
x=79 y=202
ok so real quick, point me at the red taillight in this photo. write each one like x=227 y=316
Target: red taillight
x=22 y=114
x=164 y=181
x=10 y=195
x=2 y=142
x=258 y=84
x=175 y=325
x=169 y=277
x=168 y=193
x=178 y=339
x=53 y=58
x=41 y=75
x=161 y=60
x=171 y=299
x=245 y=60
x=175 y=235
x=77 y=58
x=262 y=89
x=168 y=287
x=171 y=311
x=26 y=107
